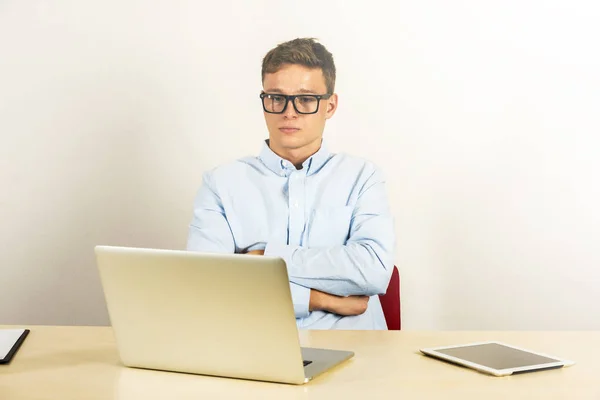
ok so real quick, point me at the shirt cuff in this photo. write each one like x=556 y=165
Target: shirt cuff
x=300 y=299
x=300 y=294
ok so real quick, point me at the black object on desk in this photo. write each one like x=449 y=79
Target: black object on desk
x=10 y=342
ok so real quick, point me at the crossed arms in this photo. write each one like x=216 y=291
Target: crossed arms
x=337 y=279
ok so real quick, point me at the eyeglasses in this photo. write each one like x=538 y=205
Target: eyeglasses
x=303 y=103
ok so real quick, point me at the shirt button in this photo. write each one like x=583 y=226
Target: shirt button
x=296 y=204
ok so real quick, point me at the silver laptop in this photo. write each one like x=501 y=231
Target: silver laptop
x=227 y=315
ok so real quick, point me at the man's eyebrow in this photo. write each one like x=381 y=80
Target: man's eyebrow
x=302 y=91
x=307 y=91
x=275 y=90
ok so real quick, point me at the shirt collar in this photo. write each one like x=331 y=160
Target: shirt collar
x=284 y=167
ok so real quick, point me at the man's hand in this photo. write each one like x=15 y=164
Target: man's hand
x=351 y=305
x=256 y=252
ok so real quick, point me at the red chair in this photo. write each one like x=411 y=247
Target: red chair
x=390 y=302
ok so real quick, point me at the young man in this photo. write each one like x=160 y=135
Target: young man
x=325 y=214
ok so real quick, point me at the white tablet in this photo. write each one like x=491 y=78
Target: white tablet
x=496 y=358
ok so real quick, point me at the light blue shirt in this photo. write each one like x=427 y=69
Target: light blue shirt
x=330 y=221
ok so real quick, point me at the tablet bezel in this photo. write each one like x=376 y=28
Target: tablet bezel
x=16 y=346
x=434 y=352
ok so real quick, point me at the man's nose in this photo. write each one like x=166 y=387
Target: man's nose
x=290 y=111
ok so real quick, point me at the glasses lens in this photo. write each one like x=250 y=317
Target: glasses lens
x=274 y=103
x=306 y=104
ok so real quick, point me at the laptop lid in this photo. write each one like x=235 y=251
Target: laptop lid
x=226 y=315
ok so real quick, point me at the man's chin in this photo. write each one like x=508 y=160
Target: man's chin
x=290 y=143
x=295 y=142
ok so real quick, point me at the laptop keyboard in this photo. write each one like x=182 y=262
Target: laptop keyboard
x=305 y=362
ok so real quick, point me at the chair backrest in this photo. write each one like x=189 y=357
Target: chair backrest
x=390 y=302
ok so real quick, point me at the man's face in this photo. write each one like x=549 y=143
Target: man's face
x=293 y=135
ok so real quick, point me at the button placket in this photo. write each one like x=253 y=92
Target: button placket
x=296 y=207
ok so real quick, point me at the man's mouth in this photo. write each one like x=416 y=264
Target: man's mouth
x=288 y=129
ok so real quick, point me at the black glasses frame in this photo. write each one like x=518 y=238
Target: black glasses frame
x=292 y=98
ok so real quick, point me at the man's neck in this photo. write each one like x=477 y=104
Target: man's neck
x=298 y=156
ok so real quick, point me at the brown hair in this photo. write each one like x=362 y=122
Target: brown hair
x=307 y=52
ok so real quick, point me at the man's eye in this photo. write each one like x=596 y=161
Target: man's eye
x=276 y=98
x=307 y=100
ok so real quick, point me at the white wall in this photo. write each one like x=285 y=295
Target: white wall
x=483 y=115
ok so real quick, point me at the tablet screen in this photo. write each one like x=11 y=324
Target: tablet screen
x=496 y=356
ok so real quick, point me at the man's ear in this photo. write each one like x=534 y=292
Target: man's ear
x=332 y=104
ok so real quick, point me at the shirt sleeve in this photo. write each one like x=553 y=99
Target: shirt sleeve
x=209 y=230
x=364 y=264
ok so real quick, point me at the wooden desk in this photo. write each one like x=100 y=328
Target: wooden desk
x=82 y=363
